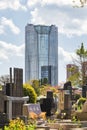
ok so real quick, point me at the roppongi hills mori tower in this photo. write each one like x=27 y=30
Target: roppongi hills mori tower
x=41 y=53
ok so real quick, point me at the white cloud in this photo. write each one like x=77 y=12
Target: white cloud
x=4 y=22
x=1 y=29
x=33 y=2
x=67 y=25
x=8 y=50
x=12 y=4
x=75 y=3
x=66 y=57
x=10 y=56
x=46 y=2
x=35 y=16
x=58 y=2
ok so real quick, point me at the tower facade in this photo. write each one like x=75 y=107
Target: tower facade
x=41 y=53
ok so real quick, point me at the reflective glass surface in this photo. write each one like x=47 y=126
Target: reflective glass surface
x=41 y=53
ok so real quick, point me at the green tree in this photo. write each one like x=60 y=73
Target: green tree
x=0 y=87
x=29 y=91
x=74 y=78
x=36 y=85
x=82 y=56
x=80 y=76
x=44 y=81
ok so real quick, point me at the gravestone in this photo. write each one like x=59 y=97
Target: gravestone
x=84 y=91
x=67 y=98
x=1 y=102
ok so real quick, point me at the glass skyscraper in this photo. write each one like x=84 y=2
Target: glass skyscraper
x=41 y=53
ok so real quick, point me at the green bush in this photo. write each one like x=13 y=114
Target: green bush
x=18 y=124
x=81 y=101
x=77 y=96
x=29 y=91
x=36 y=85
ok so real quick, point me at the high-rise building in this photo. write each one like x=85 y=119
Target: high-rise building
x=84 y=68
x=41 y=53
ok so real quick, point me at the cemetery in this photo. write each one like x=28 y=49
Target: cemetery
x=49 y=113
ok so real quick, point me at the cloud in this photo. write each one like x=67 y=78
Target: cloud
x=48 y=2
x=11 y=4
x=4 y=22
x=1 y=29
x=66 y=57
x=8 y=50
x=10 y=56
x=67 y=24
x=74 y=3
x=33 y=2
x=35 y=15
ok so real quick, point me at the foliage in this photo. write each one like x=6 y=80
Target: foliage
x=82 y=3
x=77 y=96
x=36 y=85
x=30 y=127
x=44 y=81
x=0 y=87
x=29 y=91
x=18 y=124
x=39 y=86
x=4 y=79
x=82 y=55
x=45 y=88
x=81 y=101
x=74 y=78
x=75 y=120
x=78 y=105
x=51 y=120
x=31 y=124
x=79 y=78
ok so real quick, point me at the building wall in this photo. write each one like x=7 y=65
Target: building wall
x=84 y=68
x=41 y=50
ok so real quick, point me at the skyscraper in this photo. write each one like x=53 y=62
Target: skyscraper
x=41 y=53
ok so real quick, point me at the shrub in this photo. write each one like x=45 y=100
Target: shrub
x=81 y=101
x=77 y=96
x=16 y=124
x=29 y=91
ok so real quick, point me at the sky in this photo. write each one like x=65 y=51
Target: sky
x=14 y=16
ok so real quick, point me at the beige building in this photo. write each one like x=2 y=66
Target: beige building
x=84 y=68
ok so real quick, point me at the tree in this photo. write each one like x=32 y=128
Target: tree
x=82 y=55
x=79 y=77
x=29 y=91
x=82 y=3
x=36 y=85
x=75 y=76
x=44 y=81
x=4 y=79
